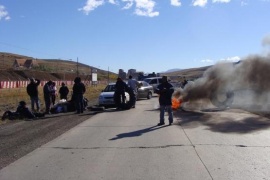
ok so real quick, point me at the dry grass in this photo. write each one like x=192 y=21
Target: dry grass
x=9 y=98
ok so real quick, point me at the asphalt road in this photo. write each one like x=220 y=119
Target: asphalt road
x=208 y=144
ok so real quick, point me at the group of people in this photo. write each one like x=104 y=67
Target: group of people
x=165 y=91
x=131 y=87
x=50 y=93
x=77 y=102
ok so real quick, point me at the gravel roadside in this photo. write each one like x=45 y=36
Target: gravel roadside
x=19 y=138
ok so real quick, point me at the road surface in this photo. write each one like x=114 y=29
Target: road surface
x=208 y=144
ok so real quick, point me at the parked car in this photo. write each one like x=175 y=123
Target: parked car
x=154 y=81
x=106 y=96
x=145 y=90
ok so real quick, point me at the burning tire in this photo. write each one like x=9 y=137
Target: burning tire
x=222 y=99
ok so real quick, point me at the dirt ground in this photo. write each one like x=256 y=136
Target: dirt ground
x=20 y=137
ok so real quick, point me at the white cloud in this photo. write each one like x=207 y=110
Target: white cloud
x=3 y=13
x=266 y=40
x=113 y=2
x=200 y=3
x=207 y=61
x=145 y=8
x=232 y=59
x=142 y=7
x=243 y=3
x=221 y=1
x=129 y=4
x=91 y=5
x=175 y=3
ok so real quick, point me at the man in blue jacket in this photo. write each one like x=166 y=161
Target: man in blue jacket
x=165 y=91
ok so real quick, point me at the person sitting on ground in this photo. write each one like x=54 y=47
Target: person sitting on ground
x=21 y=113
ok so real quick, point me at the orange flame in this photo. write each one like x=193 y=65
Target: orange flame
x=176 y=103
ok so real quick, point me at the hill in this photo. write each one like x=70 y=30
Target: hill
x=190 y=74
x=53 y=69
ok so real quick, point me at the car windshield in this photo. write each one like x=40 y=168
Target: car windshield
x=109 y=88
x=147 y=80
x=143 y=83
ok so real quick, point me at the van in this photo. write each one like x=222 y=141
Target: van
x=153 y=81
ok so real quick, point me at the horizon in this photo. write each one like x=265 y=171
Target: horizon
x=146 y=35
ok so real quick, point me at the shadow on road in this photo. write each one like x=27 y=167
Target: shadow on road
x=137 y=133
x=217 y=123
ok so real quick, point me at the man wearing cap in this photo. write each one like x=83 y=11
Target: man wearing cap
x=32 y=91
x=165 y=91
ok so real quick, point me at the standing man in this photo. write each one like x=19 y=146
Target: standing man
x=47 y=90
x=32 y=91
x=165 y=91
x=63 y=91
x=119 y=93
x=133 y=84
x=78 y=91
x=54 y=92
x=184 y=83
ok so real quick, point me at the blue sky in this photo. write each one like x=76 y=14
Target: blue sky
x=147 y=35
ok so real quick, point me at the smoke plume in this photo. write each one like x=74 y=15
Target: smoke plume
x=249 y=80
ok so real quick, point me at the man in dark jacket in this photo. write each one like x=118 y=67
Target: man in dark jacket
x=32 y=91
x=47 y=96
x=119 y=93
x=165 y=91
x=21 y=112
x=78 y=91
x=63 y=91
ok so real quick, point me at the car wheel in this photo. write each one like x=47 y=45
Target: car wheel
x=149 y=95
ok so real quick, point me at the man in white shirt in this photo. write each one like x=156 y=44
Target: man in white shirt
x=133 y=84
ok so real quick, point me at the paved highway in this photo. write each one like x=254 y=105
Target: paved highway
x=209 y=144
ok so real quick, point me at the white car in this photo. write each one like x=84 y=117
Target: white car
x=106 y=97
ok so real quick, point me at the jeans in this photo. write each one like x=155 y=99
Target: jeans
x=162 y=112
x=35 y=100
x=79 y=103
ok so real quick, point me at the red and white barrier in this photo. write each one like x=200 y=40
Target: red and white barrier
x=22 y=84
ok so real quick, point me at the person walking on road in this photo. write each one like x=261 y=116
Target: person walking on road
x=165 y=91
x=32 y=91
x=78 y=91
x=63 y=91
